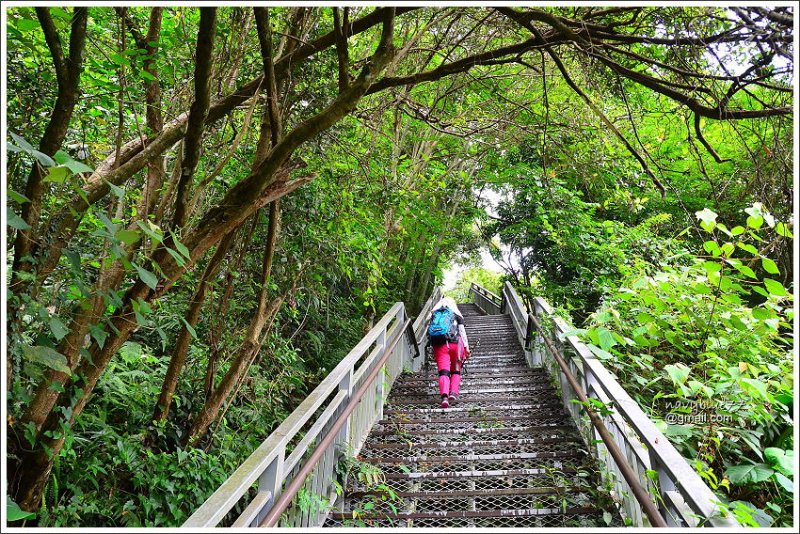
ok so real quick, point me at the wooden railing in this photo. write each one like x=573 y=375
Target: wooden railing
x=682 y=497
x=264 y=475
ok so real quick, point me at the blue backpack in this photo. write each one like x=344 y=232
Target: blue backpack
x=443 y=328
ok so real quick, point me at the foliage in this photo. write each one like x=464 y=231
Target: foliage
x=491 y=280
x=705 y=348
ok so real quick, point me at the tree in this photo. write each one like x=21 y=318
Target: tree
x=154 y=232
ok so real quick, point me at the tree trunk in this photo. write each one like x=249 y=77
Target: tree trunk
x=197 y=113
x=191 y=319
x=251 y=345
x=68 y=71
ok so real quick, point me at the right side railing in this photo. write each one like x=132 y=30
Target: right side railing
x=641 y=463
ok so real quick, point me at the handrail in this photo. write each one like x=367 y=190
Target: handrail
x=486 y=293
x=485 y=300
x=641 y=495
x=266 y=464
x=297 y=482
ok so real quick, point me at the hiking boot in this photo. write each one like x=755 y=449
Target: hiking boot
x=452 y=398
x=445 y=402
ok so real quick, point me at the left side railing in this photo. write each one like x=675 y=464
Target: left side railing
x=315 y=424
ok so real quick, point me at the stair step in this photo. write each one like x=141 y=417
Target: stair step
x=476 y=402
x=441 y=501
x=484 y=375
x=460 y=417
x=470 y=389
x=458 y=408
x=496 y=443
x=471 y=513
x=465 y=434
x=474 y=380
x=448 y=460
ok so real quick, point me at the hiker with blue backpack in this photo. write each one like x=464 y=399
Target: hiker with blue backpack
x=448 y=338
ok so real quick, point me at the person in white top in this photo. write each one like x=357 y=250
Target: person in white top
x=450 y=354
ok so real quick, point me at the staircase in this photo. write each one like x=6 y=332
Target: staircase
x=505 y=454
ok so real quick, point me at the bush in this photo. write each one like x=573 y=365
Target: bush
x=706 y=350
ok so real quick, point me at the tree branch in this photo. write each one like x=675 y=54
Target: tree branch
x=341 y=48
x=197 y=113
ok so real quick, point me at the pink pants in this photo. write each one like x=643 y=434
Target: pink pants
x=449 y=358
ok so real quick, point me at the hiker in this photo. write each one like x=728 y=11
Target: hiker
x=450 y=347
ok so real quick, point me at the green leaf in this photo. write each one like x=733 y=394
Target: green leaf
x=749 y=248
x=712 y=248
x=762 y=314
x=98 y=334
x=58 y=328
x=151 y=230
x=769 y=266
x=781 y=460
x=737 y=230
x=120 y=59
x=61 y=157
x=177 y=257
x=129 y=237
x=17 y=222
x=600 y=353
x=744 y=474
x=744 y=269
x=57 y=175
x=189 y=328
x=26 y=25
x=147 y=277
x=61 y=13
x=711 y=267
x=677 y=431
x=47 y=357
x=755 y=210
x=19 y=198
x=678 y=373
x=606 y=338
x=775 y=288
x=787 y=484
x=13 y=511
x=22 y=143
x=117 y=190
x=755 y=388
x=43 y=158
x=727 y=249
x=77 y=167
x=783 y=230
x=755 y=222
x=182 y=249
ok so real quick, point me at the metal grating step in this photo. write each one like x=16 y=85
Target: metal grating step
x=453 y=435
x=458 y=407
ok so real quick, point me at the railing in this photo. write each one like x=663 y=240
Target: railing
x=682 y=497
x=311 y=432
x=487 y=301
